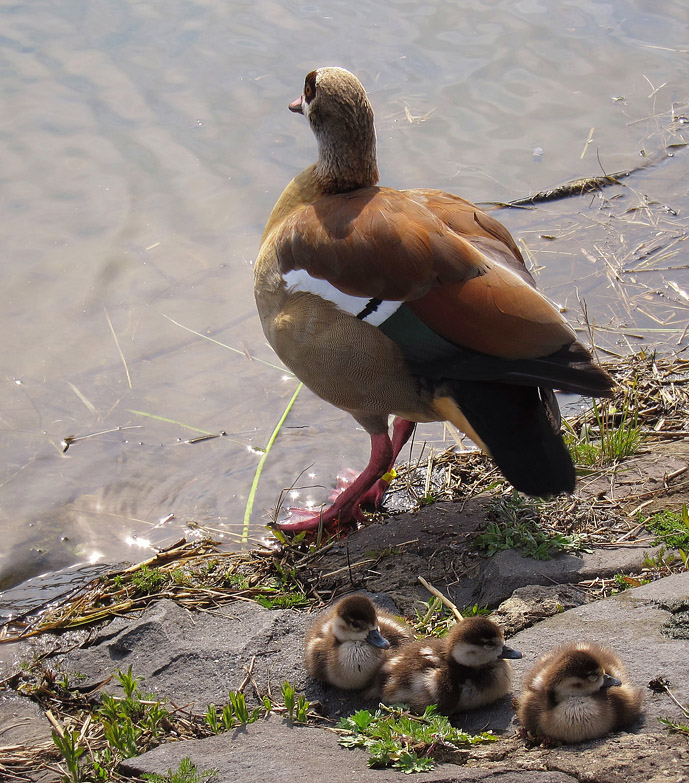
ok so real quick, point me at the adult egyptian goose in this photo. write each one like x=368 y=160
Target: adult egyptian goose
x=575 y=693
x=346 y=645
x=413 y=303
x=464 y=670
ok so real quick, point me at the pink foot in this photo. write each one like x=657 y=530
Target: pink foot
x=345 y=512
x=401 y=432
x=332 y=523
x=343 y=481
x=374 y=497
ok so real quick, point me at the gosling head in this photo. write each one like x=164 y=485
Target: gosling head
x=356 y=621
x=477 y=642
x=576 y=674
x=340 y=115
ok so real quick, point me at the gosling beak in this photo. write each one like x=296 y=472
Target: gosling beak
x=610 y=682
x=377 y=640
x=295 y=106
x=508 y=652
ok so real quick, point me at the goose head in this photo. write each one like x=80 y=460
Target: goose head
x=477 y=642
x=577 y=673
x=355 y=620
x=340 y=115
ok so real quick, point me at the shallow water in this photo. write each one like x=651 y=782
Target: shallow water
x=142 y=146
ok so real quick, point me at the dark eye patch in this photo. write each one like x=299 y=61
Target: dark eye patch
x=310 y=86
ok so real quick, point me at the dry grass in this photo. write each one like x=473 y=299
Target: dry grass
x=195 y=575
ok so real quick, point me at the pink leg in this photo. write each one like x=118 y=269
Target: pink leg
x=345 y=509
x=401 y=432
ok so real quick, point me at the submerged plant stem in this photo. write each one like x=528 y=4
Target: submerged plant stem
x=259 y=468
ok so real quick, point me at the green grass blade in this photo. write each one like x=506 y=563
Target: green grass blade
x=259 y=468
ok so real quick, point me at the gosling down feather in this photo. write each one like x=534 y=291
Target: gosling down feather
x=465 y=670
x=412 y=303
x=576 y=693
x=347 y=644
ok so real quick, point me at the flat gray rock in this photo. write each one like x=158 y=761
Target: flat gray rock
x=277 y=752
x=22 y=721
x=195 y=659
x=533 y=603
x=507 y=571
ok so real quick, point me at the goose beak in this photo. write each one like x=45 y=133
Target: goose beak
x=295 y=106
x=610 y=682
x=508 y=652
x=377 y=640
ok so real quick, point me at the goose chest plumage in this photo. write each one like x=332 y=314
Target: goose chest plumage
x=465 y=670
x=347 y=644
x=412 y=303
x=576 y=693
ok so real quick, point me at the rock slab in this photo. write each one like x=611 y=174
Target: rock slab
x=196 y=659
x=274 y=751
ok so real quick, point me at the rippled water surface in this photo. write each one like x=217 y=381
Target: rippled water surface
x=142 y=145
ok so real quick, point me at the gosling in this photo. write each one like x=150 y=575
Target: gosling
x=465 y=670
x=576 y=693
x=347 y=644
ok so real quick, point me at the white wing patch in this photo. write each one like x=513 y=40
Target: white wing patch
x=377 y=311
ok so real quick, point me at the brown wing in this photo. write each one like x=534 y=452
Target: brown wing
x=459 y=270
x=376 y=242
x=484 y=231
x=499 y=313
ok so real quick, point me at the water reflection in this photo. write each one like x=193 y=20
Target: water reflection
x=142 y=146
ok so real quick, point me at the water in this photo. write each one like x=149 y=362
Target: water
x=142 y=146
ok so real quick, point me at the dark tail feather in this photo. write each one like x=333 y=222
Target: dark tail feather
x=521 y=428
x=569 y=369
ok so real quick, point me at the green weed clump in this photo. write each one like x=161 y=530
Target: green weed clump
x=145 y=581
x=671 y=528
x=235 y=713
x=187 y=772
x=125 y=726
x=130 y=725
x=615 y=436
x=435 y=619
x=396 y=738
x=516 y=526
x=297 y=707
x=71 y=751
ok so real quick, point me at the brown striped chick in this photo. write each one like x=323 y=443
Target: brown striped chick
x=346 y=645
x=463 y=671
x=577 y=693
